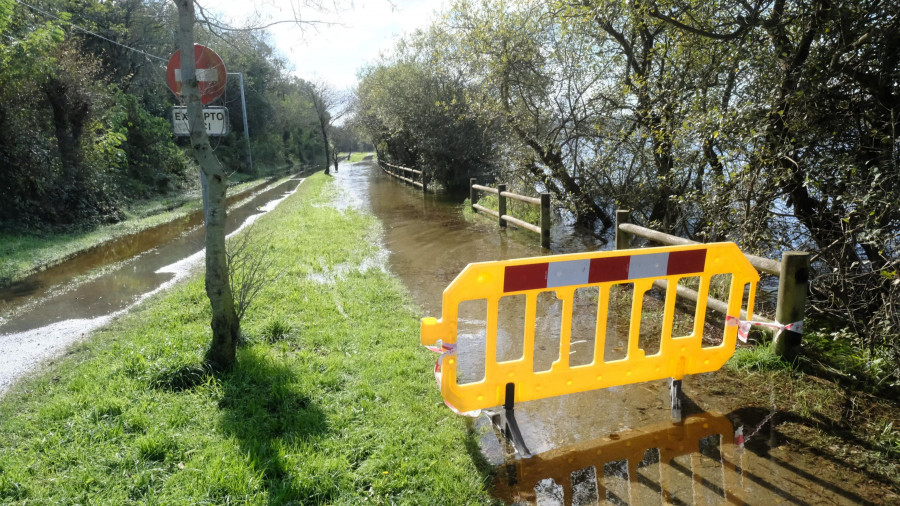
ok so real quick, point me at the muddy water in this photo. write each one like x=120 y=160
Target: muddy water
x=617 y=445
x=45 y=313
x=430 y=242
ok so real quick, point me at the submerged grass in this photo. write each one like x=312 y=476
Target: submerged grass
x=522 y=210
x=24 y=254
x=332 y=400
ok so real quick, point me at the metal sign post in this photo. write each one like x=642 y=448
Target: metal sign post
x=246 y=130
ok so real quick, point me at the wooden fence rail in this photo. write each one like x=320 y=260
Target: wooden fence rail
x=792 y=272
x=544 y=202
x=397 y=170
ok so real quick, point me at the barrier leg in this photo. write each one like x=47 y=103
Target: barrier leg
x=507 y=424
x=675 y=395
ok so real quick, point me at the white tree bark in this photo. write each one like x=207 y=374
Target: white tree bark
x=225 y=324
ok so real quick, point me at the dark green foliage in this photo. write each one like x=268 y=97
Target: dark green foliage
x=420 y=118
x=152 y=162
x=85 y=123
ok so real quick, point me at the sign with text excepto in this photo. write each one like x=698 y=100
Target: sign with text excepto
x=215 y=118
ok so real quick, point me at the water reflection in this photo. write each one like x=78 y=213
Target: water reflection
x=705 y=459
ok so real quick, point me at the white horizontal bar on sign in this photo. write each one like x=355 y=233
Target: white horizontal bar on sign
x=522 y=224
x=203 y=75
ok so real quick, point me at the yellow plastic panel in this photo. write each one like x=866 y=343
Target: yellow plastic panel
x=563 y=274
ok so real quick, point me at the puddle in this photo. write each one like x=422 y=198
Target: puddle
x=46 y=313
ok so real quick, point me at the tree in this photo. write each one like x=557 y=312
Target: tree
x=225 y=323
x=419 y=116
x=330 y=105
x=529 y=83
x=815 y=134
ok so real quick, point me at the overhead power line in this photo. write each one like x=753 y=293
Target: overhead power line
x=148 y=55
x=85 y=30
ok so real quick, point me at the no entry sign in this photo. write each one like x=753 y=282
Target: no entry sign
x=211 y=73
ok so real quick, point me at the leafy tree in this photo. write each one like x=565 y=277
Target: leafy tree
x=330 y=105
x=419 y=115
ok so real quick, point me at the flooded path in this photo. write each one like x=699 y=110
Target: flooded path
x=45 y=313
x=618 y=445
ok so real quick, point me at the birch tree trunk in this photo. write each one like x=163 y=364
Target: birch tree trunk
x=225 y=324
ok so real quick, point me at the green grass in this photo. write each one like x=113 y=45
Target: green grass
x=24 y=254
x=835 y=355
x=839 y=423
x=756 y=358
x=332 y=401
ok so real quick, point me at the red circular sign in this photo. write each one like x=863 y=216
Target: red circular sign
x=211 y=73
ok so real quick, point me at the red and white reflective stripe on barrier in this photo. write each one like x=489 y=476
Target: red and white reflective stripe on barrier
x=602 y=270
x=744 y=326
x=448 y=350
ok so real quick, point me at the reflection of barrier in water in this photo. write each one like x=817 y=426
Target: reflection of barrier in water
x=701 y=460
x=691 y=462
x=505 y=380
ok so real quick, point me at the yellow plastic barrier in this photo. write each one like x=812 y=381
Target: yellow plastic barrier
x=677 y=356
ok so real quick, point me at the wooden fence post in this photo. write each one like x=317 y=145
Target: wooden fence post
x=793 y=285
x=501 y=204
x=545 y=220
x=623 y=239
x=473 y=193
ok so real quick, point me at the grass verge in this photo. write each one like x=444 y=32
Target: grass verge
x=25 y=254
x=332 y=400
x=357 y=156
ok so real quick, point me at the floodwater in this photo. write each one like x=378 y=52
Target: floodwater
x=617 y=445
x=45 y=313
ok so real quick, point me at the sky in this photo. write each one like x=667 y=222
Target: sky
x=350 y=36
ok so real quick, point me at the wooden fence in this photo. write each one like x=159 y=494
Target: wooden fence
x=792 y=272
x=398 y=172
x=544 y=202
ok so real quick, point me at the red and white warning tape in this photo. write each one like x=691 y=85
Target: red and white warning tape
x=448 y=350
x=744 y=326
